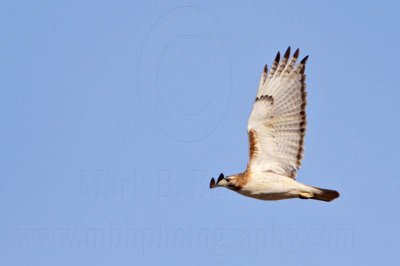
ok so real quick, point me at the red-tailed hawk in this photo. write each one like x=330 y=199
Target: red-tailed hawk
x=276 y=130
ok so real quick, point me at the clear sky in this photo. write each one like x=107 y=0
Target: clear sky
x=114 y=115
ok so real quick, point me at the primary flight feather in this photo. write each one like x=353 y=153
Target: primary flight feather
x=276 y=130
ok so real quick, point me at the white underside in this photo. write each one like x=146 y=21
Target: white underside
x=271 y=186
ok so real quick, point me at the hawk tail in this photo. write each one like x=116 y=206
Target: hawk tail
x=325 y=194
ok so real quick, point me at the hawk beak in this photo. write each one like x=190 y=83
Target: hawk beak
x=212 y=183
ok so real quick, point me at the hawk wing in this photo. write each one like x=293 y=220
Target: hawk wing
x=277 y=123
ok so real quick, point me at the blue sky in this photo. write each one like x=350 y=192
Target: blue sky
x=115 y=115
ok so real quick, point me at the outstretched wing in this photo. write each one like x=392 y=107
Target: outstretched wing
x=277 y=123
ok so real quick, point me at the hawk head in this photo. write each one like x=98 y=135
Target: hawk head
x=230 y=182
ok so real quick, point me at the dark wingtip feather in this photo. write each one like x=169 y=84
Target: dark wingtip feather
x=287 y=53
x=304 y=60
x=221 y=176
x=296 y=53
x=212 y=183
x=277 y=57
x=265 y=68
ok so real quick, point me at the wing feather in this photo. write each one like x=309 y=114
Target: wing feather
x=277 y=122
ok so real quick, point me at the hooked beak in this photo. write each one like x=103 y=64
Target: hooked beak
x=220 y=182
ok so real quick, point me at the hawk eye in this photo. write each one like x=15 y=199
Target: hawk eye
x=227 y=179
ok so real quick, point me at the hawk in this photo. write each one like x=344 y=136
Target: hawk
x=276 y=130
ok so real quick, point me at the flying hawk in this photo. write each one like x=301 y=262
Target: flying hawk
x=276 y=129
